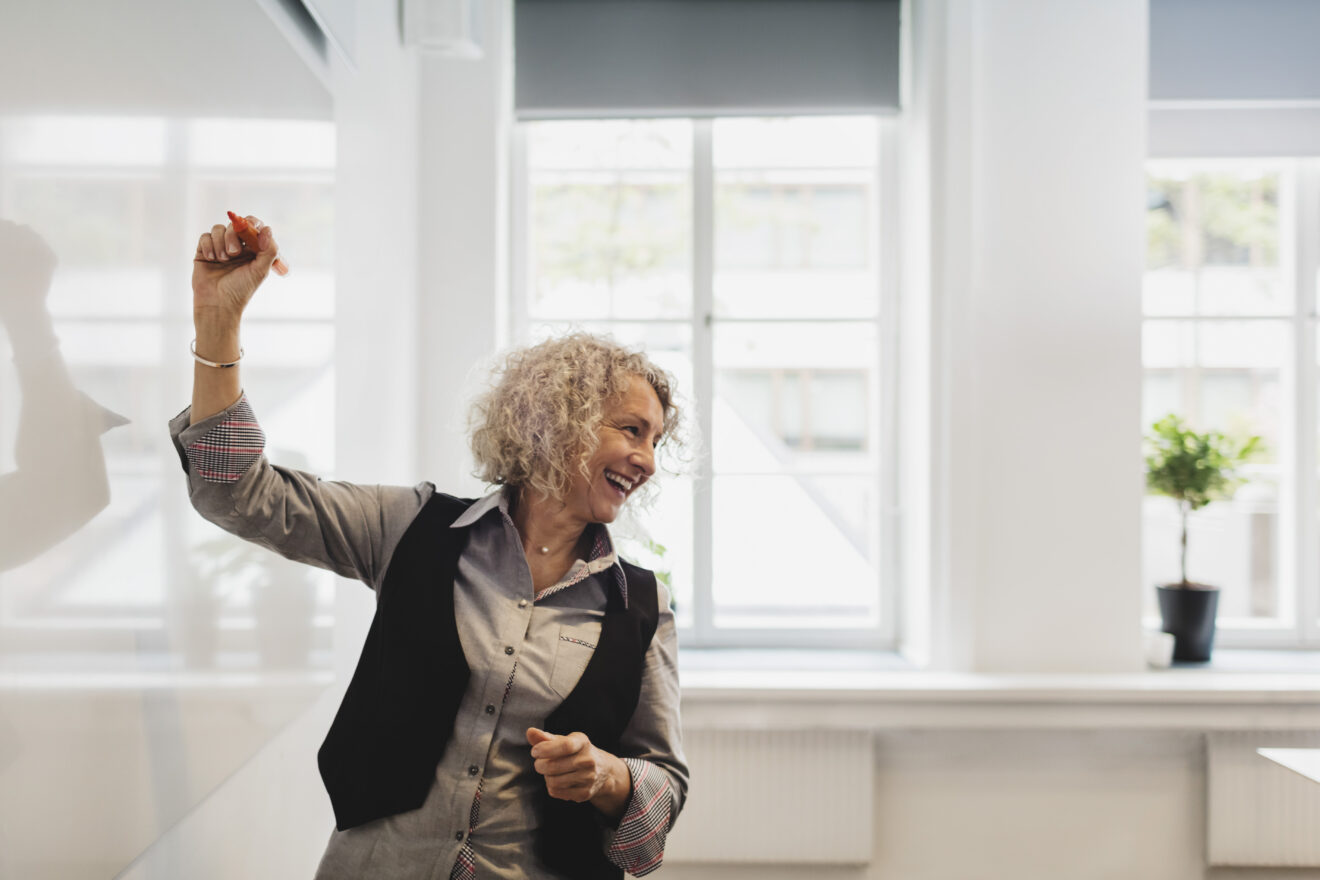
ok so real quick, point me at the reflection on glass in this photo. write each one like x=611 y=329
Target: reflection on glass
x=306 y=210
x=74 y=141
x=142 y=662
x=59 y=481
x=95 y=220
x=796 y=551
x=295 y=145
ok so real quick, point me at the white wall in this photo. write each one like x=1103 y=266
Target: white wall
x=465 y=114
x=378 y=253
x=1036 y=115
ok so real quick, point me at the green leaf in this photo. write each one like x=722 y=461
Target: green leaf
x=1196 y=468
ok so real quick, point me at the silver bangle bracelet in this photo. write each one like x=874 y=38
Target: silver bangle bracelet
x=192 y=346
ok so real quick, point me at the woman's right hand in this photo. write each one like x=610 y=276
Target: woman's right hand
x=226 y=273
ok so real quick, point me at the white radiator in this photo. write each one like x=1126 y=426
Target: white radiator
x=801 y=797
x=1259 y=813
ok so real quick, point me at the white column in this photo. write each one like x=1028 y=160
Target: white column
x=376 y=252
x=465 y=114
x=1035 y=116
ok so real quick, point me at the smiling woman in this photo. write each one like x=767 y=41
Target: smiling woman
x=573 y=426
x=562 y=691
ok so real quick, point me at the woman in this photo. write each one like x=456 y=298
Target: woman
x=514 y=713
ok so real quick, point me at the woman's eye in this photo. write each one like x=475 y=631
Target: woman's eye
x=633 y=429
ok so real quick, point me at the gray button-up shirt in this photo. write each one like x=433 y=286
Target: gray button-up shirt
x=526 y=654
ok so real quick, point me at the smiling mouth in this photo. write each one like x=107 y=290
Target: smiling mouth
x=619 y=483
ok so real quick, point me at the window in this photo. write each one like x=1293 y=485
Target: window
x=745 y=256
x=1229 y=343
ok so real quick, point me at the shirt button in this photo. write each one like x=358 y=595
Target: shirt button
x=473 y=770
x=509 y=649
x=490 y=710
x=458 y=835
x=522 y=603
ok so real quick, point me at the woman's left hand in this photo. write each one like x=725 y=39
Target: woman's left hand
x=575 y=770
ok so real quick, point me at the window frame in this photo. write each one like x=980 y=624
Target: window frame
x=703 y=633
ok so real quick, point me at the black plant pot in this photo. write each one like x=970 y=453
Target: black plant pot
x=1189 y=614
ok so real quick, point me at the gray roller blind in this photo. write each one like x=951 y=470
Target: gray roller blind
x=603 y=58
x=1234 y=50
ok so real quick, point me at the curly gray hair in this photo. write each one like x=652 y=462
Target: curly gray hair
x=538 y=422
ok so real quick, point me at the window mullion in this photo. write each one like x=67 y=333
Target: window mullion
x=886 y=413
x=703 y=372
x=1306 y=241
x=519 y=238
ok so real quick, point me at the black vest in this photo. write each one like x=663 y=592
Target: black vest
x=390 y=732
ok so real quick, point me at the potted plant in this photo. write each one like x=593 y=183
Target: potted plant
x=1193 y=469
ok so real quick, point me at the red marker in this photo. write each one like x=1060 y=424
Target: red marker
x=248 y=235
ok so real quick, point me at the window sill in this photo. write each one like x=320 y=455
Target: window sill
x=1239 y=690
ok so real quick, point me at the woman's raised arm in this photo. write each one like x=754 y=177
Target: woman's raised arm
x=348 y=528
x=226 y=274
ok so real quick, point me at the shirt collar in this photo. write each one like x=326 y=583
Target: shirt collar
x=480 y=508
x=602 y=544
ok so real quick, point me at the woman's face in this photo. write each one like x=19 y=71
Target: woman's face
x=625 y=458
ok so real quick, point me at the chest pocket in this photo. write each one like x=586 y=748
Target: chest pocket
x=576 y=647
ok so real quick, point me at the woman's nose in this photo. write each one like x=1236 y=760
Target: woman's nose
x=644 y=458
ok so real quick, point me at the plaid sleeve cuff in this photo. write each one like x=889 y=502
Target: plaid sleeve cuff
x=639 y=843
x=227 y=450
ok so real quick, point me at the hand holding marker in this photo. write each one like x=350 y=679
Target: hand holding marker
x=249 y=237
x=229 y=265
